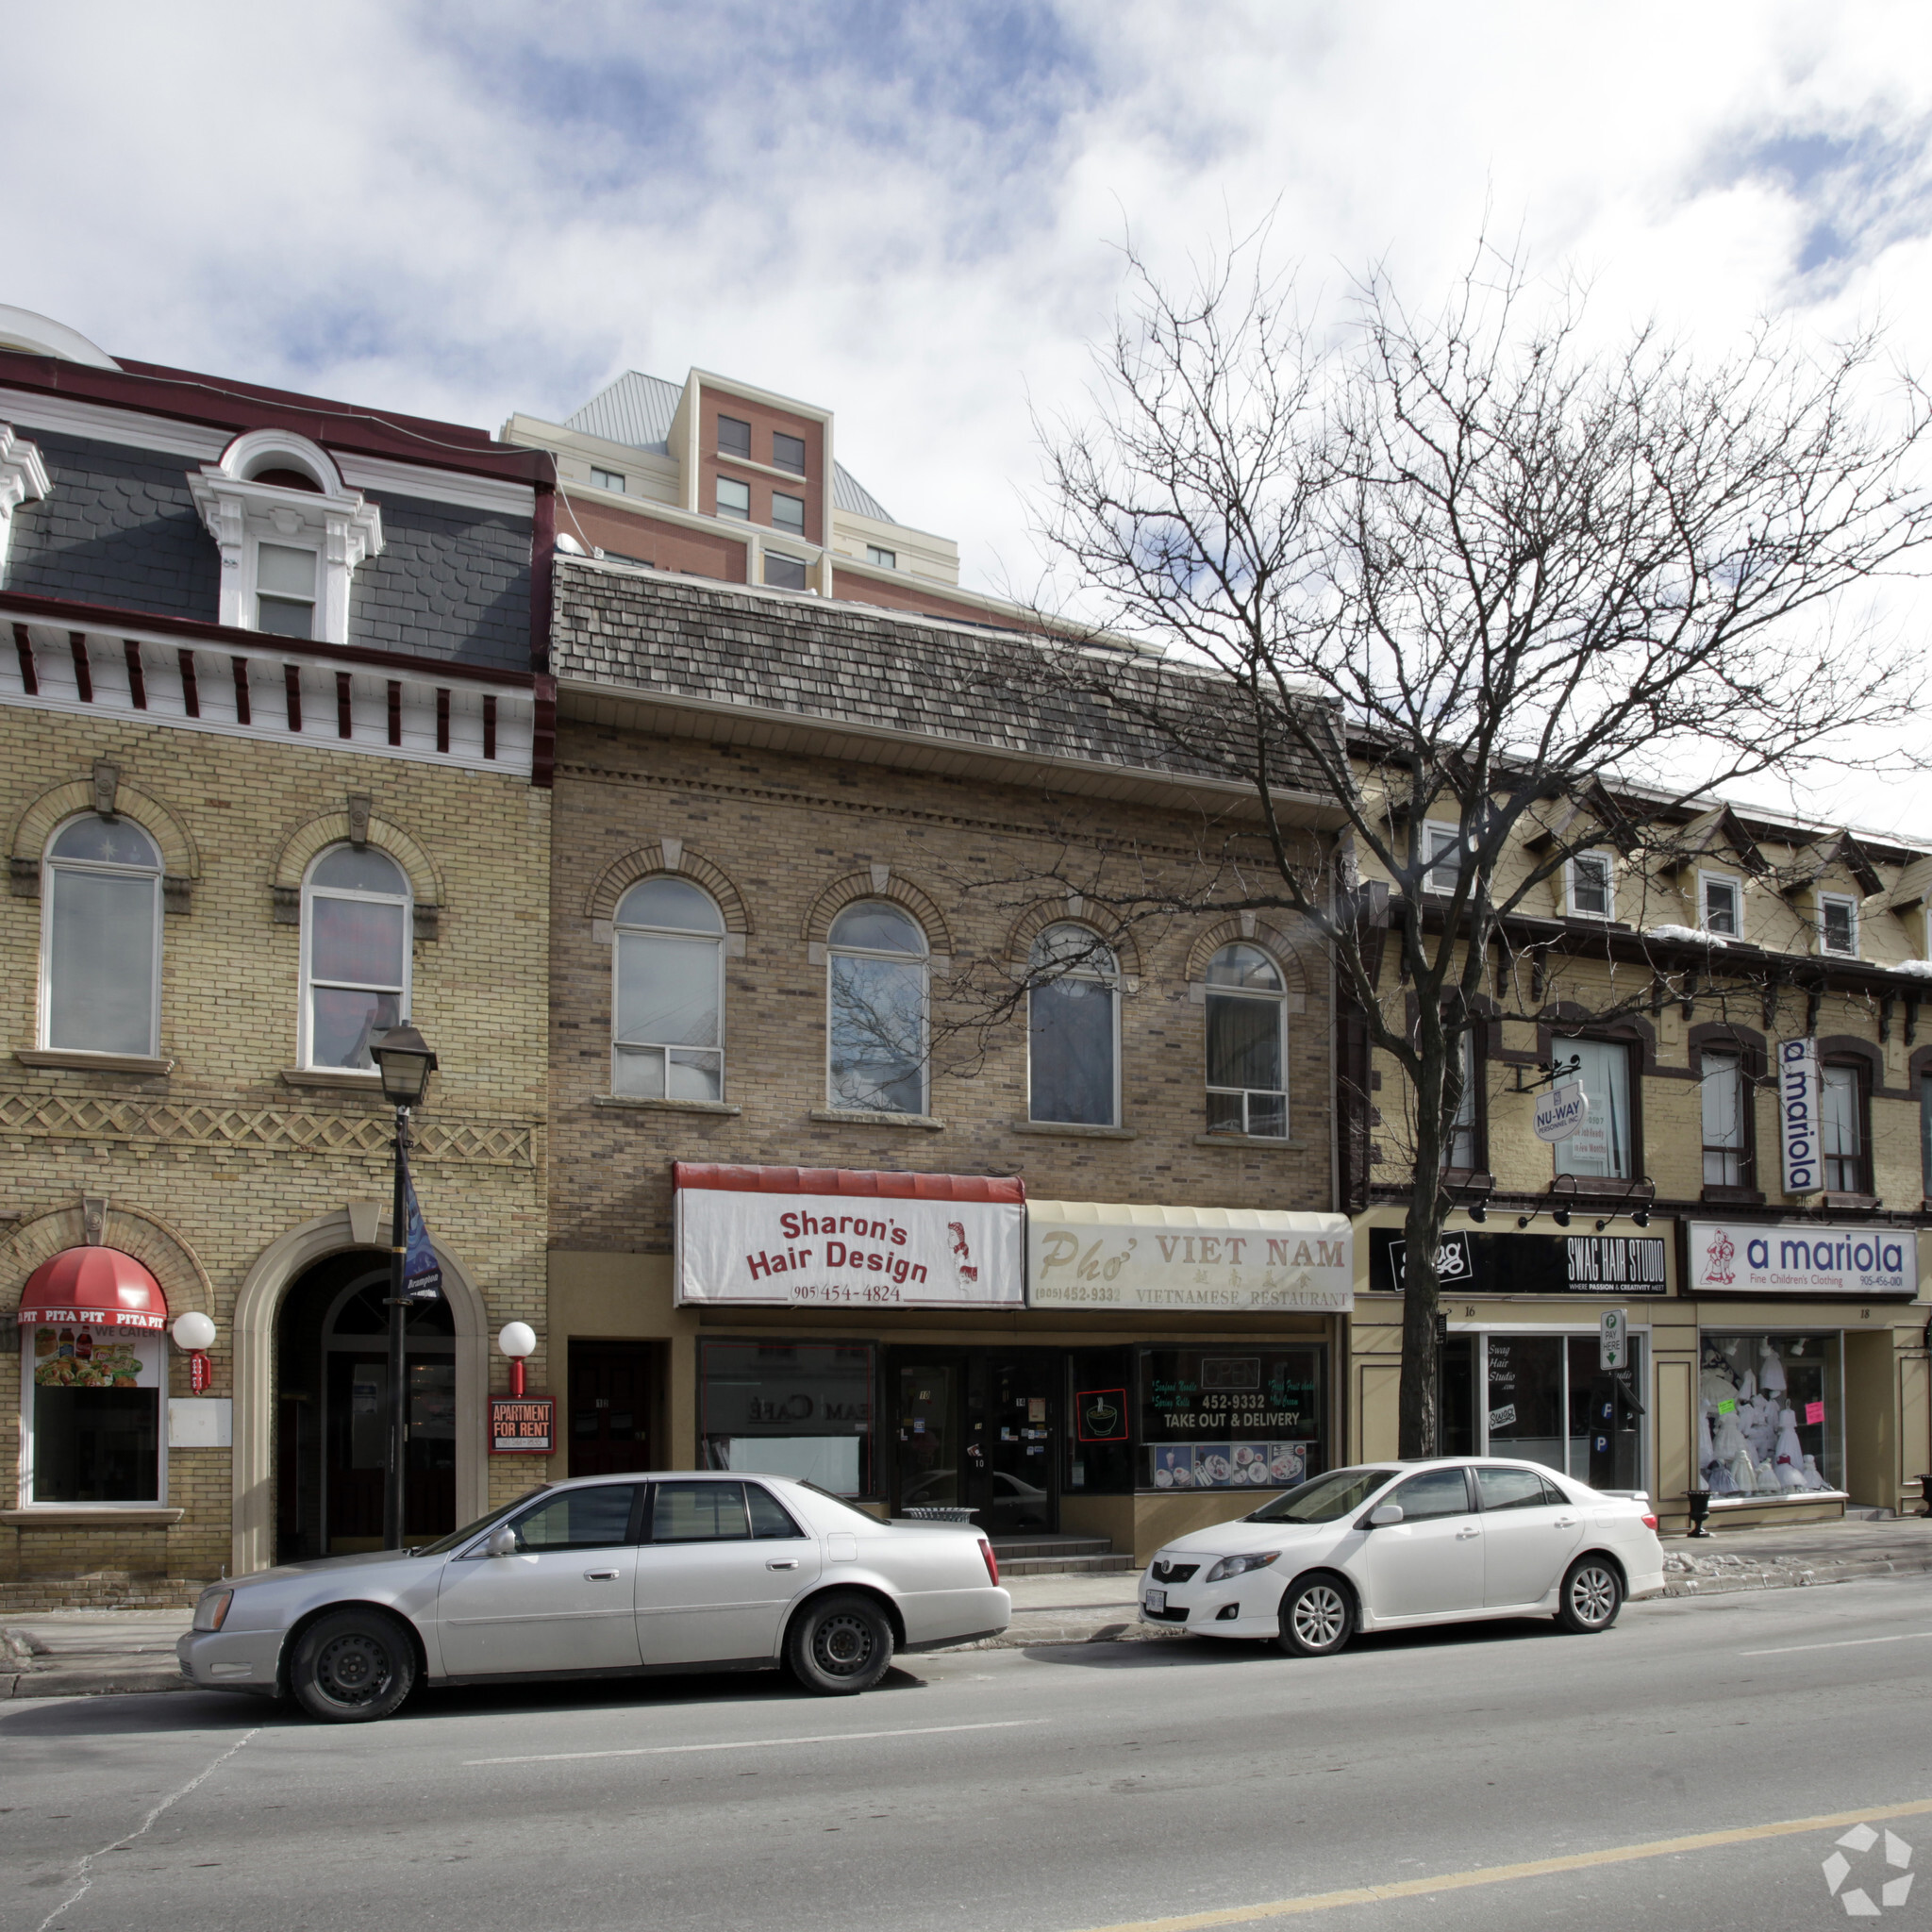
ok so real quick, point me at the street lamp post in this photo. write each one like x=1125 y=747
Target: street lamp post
x=407 y=1063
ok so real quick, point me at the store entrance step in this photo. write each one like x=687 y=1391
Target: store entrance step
x=1057 y=1556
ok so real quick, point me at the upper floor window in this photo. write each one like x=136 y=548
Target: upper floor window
x=875 y=1024
x=885 y=559
x=788 y=453
x=1721 y=1089
x=285 y=591
x=607 y=479
x=1246 y=1044
x=734 y=499
x=1459 y=1144
x=1838 y=925
x=355 y=956
x=1441 y=852
x=1603 y=1147
x=784 y=573
x=734 y=438
x=1925 y=1135
x=1592 y=890
x=1843 y=1116
x=101 y=939
x=788 y=512
x=667 y=1034
x=1073 y=1029
x=1721 y=909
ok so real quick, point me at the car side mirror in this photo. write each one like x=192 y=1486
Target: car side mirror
x=1383 y=1514
x=502 y=1542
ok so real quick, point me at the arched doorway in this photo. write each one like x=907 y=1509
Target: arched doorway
x=332 y=1412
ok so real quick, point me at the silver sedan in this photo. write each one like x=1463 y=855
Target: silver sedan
x=605 y=1576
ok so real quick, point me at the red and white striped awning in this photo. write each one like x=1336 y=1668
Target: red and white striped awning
x=98 y=1288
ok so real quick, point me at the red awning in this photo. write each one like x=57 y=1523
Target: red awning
x=848 y=1180
x=100 y=1287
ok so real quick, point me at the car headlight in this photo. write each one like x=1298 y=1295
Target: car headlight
x=1240 y=1566
x=212 y=1610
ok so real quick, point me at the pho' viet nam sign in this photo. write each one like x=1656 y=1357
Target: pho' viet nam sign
x=1102 y=1255
x=1800 y=1257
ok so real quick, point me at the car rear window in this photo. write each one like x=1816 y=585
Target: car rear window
x=1327 y=1498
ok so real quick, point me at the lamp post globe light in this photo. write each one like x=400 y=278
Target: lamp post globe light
x=194 y=1334
x=516 y=1339
x=406 y=1064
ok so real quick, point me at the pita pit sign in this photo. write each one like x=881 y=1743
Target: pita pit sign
x=806 y=1236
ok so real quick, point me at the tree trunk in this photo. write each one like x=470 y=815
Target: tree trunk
x=1420 y=1406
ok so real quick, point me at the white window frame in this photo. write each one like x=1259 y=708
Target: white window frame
x=689 y=936
x=1705 y=880
x=719 y=484
x=305 y=1018
x=1112 y=979
x=1737 y=1152
x=1570 y=905
x=241 y=514
x=1440 y=836
x=29 y=1396
x=784 y=556
x=835 y=1102
x=1851 y=906
x=1211 y=992
x=880 y=558
x=49 y=867
x=796 y=529
x=608 y=479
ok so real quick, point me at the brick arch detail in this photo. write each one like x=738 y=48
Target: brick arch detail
x=1246 y=929
x=157 y=1247
x=680 y=860
x=894 y=887
x=316 y=835
x=1072 y=910
x=180 y=858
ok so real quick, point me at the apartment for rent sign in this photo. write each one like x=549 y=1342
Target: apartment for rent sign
x=789 y=1237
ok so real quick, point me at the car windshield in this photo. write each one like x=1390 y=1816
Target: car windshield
x=1325 y=1498
x=457 y=1537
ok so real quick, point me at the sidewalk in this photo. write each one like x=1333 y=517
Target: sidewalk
x=82 y=1653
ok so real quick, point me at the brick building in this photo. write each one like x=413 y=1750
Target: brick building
x=273 y=762
x=807 y=858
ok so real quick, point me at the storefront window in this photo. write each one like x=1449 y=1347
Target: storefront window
x=1231 y=1418
x=93 y=1406
x=1100 y=1455
x=1601 y=1146
x=1768 y=1422
x=798 y=1408
x=1547 y=1400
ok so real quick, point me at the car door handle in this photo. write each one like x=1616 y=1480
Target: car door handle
x=1566 y=1522
x=1463 y=1535
x=600 y=1576
x=783 y=1563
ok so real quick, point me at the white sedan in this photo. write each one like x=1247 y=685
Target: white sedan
x=1449 y=1541
x=605 y=1576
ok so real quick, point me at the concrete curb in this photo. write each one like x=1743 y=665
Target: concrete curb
x=1727 y=1574
x=55 y=1682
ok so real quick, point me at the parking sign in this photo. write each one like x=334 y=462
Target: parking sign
x=1613 y=1340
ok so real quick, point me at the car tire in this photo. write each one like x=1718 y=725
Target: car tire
x=1592 y=1595
x=353 y=1667
x=840 y=1644
x=1317 y=1616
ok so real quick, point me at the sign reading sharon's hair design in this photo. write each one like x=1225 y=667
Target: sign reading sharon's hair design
x=1802 y=1258
x=827 y=1236
x=1095 y=1254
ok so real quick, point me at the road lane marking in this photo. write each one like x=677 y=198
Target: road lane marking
x=1843 y=1643
x=1012 y=1723
x=84 y=1870
x=1504 y=1874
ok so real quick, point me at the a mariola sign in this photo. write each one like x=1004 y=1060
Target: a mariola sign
x=1800 y=1103
x=1800 y=1257
x=792 y=1237
x=1097 y=1254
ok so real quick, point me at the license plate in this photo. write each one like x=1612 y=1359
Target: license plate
x=1156 y=1599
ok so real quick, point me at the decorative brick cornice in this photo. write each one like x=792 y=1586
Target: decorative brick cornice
x=316 y=835
x=1285 y=951
x=876 y=882
x=668 y=856
x=1071 y=909
x=157 y=1246
x=180 y=859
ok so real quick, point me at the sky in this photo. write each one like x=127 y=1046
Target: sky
x=913 y=214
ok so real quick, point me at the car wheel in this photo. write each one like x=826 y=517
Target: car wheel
x=840 y=1645
x=1317 y=1617
x=353 y=1667
x=1593 y=1594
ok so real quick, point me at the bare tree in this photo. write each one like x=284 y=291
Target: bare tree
x=1477 y=566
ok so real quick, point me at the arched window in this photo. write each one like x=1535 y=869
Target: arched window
x=101 y=943
x=1073 y=1029
x=667 y=1034
x=1247 y=1045
x=355 y=956
x=875 y=1028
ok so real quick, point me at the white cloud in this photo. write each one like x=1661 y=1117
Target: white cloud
x=908 y=213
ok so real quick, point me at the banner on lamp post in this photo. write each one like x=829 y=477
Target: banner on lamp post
x=1800 y=1106
x=421 y=1272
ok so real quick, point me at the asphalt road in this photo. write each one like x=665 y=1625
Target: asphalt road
x=1053 y=1790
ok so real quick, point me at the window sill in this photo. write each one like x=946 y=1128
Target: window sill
x=1251 y=1140
x=1074 y=1130
x=648 y=1105
x=93 y=1062
x=852 y=1117
x=1853 y=1202
x=342 y=1079
x=1732 y=1197
x=91 y=1516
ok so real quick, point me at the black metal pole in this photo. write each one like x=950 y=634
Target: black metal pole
x=394 y=1483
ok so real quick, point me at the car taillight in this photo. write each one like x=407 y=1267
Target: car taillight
x=993 y=1562
x=1649 y=1522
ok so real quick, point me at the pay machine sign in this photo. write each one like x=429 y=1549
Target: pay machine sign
x=1613 y=1340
